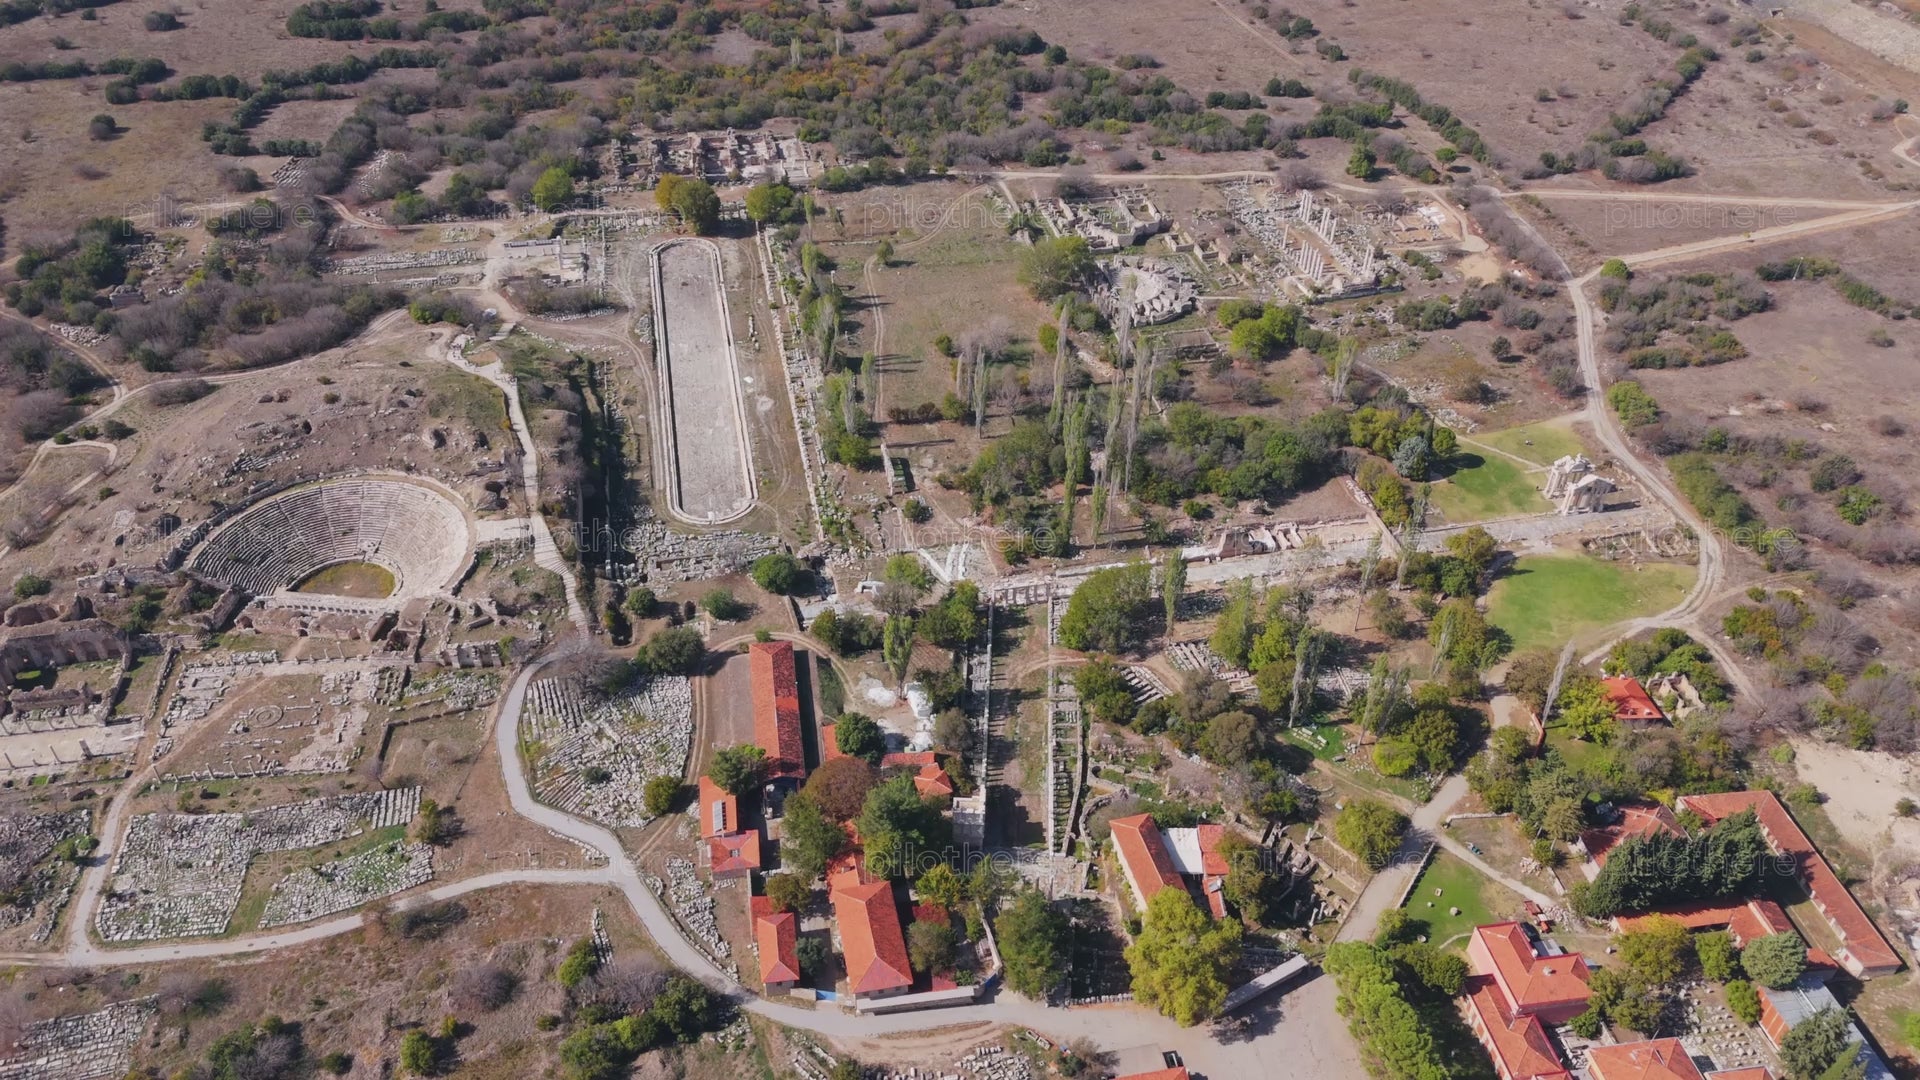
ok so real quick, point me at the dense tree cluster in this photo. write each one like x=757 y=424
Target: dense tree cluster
x=1032 y=935
x=1181 y=958
x=1396 y=996
x=1550 y=796
x=1670 y=651
x=1645 y=872
x=680 y=1012
x=1108 y=610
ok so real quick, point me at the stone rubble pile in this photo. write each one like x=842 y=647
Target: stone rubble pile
x=347 y=883
x=79 y=335
x=28 y=875
x=180 y=875
x=403 y=260
x=980 y=1063
x=670 y=557
x=598 y=752
x=454 y=691
x=694 y=906
x=82 y=1047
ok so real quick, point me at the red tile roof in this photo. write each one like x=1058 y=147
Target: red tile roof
x=735 y=853
x=1144 y=855
x=776 y=936
x=776 y=707
x=1755 y=1073
x=1635 y=821
x=1745 y=921
x=876 y=950
x=909 y=759
x=719 y=810
x=1531 y=983
x=848 y=869
x=1158 y=1074
x=1518 y=1044
x=1211 y=861
x=1866 y=952
x=1631 y=702
x=829 y=744
x=1658 y=1059
x=932 y=780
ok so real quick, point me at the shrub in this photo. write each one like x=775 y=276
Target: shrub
x=723 y=605
x=779 y=572
x=419 y=1054
x=1371 y=830
x=580 y=963
x=483 y=988
x=1632 y=403
x=659 y=795
x=1743 y=1001
x=1775 y=961
x=1832 y=473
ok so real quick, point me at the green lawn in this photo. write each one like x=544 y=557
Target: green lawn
x=1480 y=901
x=1545 y=599
x=1541 y=443
x=1485 y=486
x=1577 y=752
x=1324 y=741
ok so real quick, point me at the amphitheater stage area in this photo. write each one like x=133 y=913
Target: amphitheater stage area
x=354 y=541
x=355 y=578
x=709 y=459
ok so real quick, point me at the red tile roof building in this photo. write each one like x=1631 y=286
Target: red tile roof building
x=1658 y=1059
x=735 y=854
x=1631 y=702
x=1143 y=857
x=1864 y=952
x=1153 y=860
x=929 y=778
x=1553 y=988
x=1518 y=1044
x=719 y=810
x=1743 y=921
x=776 y=708
x=875 y=949
x=1636 y=820
x=776 y=938
x=1158 y=1074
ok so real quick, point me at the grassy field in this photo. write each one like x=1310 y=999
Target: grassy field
x=1480 y=901
x=1546 y=599
x=1542 y=443
x=1484 y=486
x=362 y=579
x=1324 y=741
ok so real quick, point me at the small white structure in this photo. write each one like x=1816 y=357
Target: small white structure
x=1565 y=472
x=1588 y=495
